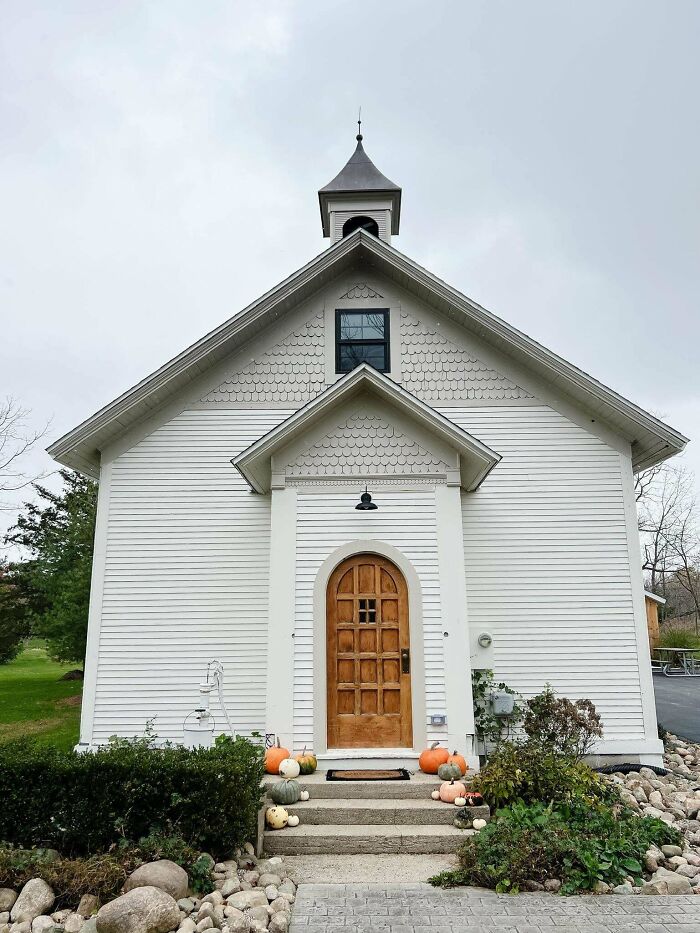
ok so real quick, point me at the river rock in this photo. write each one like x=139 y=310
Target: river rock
x=229 y=887
x=142 y=910
x=163 y=874
x=279 y=923
x=553 y=885
x=7 y=899
x=246 y=899
x=259 y=915
x=35 y=898
x=666 y=882
x=269 y=878
x=187 y=925
x=42 y=924
x=88 y=906
x=625 y=888
x=670 y=851
x=73 y=923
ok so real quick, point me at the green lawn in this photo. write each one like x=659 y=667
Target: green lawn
x=35 y=701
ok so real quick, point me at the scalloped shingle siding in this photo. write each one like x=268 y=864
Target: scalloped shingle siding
x=435 y=368
x=291 y=371
x=365 y=444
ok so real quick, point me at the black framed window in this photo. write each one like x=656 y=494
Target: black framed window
x=362 y=337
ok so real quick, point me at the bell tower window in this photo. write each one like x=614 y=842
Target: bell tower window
x=362 y=337
x=362 y=223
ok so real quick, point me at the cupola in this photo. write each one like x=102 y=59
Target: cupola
x=360 y=197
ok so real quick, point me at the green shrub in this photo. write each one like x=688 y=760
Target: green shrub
x=577 y=843
x=81 y=804
x=677 y=638
x=531 y=773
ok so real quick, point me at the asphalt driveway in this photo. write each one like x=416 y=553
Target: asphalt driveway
x=678 y=705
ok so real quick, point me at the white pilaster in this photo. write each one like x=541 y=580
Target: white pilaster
x=279 y=707
x=87 y=714
x=453 y=600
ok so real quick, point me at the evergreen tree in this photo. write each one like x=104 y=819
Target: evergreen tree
x=53 y=584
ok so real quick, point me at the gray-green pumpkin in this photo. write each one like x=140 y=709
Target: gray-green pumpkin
x=285 y=792
x=449 y=772
x=463 y=818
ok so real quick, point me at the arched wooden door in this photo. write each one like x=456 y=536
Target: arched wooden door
x=368 y=661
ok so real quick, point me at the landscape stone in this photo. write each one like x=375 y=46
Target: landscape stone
x=73 y=923
x=206 y=923
x=269 y=878
x=7 y=899
x=246 y=899
x=271 y=892
x=625 y=888
x=215 y=897
x=238 y=924
x=670 y=851
x=141 y=910
x=666 y=882
x=162 y=874
x=22 y=926
x=600 y=887
x=188 y=925
x=42 y=924
x=279 y=923
x=287 y=887
x=35 y=898
x=259 y=915
x=230 y=886
x=186 y=904
x=90 y=925
x=553 y=885
x=280 y=903
x=89 y=905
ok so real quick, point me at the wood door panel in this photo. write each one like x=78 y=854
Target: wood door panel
x=369 y=696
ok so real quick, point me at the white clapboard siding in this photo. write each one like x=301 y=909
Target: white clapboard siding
x=186 y=577
x=547 y=563
x=327 y=520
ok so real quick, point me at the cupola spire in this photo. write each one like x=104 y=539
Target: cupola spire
x=360 y=196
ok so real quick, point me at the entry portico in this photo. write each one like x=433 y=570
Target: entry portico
x=372 y=651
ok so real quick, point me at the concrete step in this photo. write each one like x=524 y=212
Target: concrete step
x=418 y=788
x=363 y=839
x=346 y=812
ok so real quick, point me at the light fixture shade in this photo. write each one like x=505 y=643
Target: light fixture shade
x=365 y=504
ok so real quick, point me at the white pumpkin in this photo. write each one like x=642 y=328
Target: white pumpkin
x=276 y=817
x=459 y=801
x=304 y=795
x=479 y=824
x=289 y=768
x=435 y=795
x=293 y=820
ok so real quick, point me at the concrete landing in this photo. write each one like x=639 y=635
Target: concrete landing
x=366 y=869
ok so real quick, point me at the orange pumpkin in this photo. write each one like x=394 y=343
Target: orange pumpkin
x=450 y=790
x=458 y=760
x=431 y=758
x=275 y=756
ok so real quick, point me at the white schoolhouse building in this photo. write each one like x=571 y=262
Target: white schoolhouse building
x=355 y=492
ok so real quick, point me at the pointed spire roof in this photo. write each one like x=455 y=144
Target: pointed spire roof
x=361 y=176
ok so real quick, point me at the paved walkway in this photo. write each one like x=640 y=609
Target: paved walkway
x=419 y=908
x=678 y=705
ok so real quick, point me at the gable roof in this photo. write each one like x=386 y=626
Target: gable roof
x=651 y=439
x=476 y=460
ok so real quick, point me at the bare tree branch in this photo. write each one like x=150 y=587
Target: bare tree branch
x=16 y=440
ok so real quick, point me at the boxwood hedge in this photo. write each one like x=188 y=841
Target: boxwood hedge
x=84 y=803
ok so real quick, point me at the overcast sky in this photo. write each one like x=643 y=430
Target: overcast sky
x=160 y=163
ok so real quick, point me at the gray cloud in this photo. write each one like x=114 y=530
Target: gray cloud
x=160 y=161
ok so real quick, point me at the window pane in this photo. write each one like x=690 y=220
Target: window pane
x=362 y=326
x=351 y=356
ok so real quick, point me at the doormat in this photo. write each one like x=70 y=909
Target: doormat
x=397 y=774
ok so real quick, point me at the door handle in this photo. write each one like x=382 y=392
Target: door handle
x=405 y=661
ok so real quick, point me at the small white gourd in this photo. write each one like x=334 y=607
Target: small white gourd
x=293 y=820
x=304 y=795
x=289 y=768
x=479 y=824
x=435 y=795
x=459 y=801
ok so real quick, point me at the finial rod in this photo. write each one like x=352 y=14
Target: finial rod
x=359 y=125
